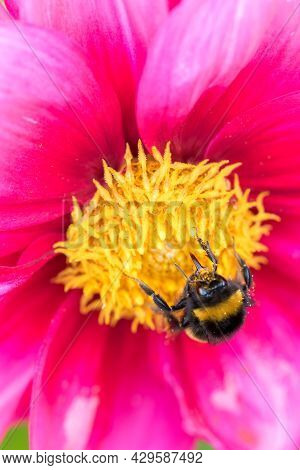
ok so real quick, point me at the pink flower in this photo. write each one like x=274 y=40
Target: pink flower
x=78 y=80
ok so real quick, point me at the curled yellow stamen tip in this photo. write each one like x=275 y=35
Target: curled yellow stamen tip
x=142 y=222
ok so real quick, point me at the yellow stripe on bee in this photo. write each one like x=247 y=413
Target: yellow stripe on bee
x=221 y=310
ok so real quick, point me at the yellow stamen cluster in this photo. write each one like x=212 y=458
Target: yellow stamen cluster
x=143 y=219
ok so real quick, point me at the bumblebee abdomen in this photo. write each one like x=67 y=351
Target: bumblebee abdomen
x=216 y=331
x=229 y=306
x=215 y=323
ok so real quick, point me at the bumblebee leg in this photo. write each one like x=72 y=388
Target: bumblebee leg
x=245 y=270
x=206 y=247
x=163 y=305
x=180 y=305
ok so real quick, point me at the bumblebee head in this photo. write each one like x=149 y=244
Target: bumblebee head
x=209 y=289
x=206 y=286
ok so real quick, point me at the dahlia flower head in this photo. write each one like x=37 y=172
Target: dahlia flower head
x=126 y=126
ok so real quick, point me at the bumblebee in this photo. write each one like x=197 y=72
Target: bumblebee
x=213 y=308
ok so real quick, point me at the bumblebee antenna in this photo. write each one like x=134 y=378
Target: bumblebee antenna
x=181 y=271
x=196 y=262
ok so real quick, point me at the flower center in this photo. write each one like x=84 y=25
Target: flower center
x=143 y=220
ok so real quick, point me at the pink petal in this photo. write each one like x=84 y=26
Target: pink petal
x=4 y=17
x=55 y=121
x=273 y=72
x=114 y=35
x=30 y=214
x=246 y=390
x=143 y=401
x=284 y=248
x=12 y=241
x=266 y=139
x=184 y=63
x=32 y=260
x=25 y=314
x=95 y=383
x=173 y=3
x=13 y=7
